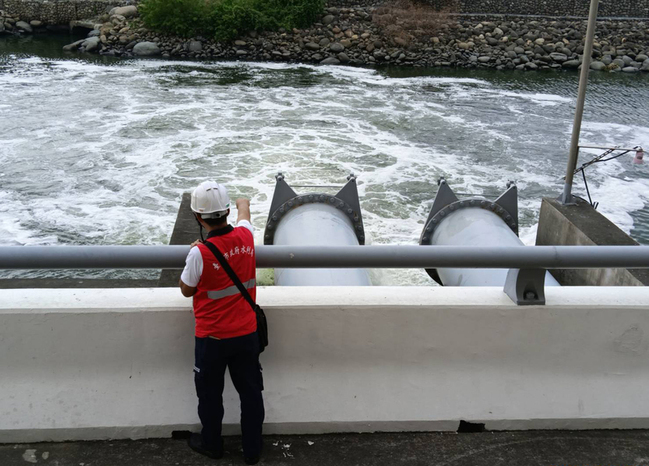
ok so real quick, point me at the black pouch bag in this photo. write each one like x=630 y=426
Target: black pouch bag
x=262 y=325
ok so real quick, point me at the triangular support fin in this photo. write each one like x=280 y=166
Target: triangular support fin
x=283 y=193
x=349 y=194
x=509 y=201
x=444 y=197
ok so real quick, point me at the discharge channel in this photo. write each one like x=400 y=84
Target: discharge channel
x=99 y=151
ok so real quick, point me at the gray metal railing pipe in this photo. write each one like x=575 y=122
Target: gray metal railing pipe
x=407 y=256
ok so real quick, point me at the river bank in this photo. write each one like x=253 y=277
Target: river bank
x=355 y=36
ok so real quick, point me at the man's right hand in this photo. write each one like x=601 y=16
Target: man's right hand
x=243 y=209
x=242 y=201
x=195 y=243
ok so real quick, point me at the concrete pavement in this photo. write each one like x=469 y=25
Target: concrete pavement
x=529 y=448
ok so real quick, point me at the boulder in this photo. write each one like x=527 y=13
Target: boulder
x=597 y=66
x=24 y=26
x=35 y=23
x=311 y=46
x=336 y=47
x=125 y=11
x=91 y=44
x=558 y=57
x=82 y=24
x=328 y=20
x=146 y=49
x=571 y=64
x=630 y=69
x=195 y=46
x=330 y=61
x=73 y=45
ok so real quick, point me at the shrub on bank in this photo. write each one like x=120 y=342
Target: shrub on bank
x=407 y=20
x=183 y=18
x=226 y=19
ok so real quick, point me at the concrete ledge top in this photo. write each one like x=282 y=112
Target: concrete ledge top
x=161 y=299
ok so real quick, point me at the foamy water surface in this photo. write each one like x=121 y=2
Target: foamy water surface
x=100 y=153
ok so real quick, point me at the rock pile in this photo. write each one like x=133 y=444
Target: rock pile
x=13 y=25
x=348 y=36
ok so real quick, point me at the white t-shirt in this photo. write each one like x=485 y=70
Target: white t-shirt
x=194 y=263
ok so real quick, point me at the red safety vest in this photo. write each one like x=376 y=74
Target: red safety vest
x=219 y=308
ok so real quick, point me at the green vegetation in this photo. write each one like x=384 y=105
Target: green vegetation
x=226 y=19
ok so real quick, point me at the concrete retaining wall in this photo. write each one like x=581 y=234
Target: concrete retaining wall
x=61 y=12
x=617 y=8
x=58 y=12
x=578 y=8
x=90 y=364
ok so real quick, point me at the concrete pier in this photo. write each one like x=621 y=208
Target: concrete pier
x=185 y=232
x=581 y=225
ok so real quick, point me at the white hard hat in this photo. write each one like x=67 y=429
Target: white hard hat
x=210 y=200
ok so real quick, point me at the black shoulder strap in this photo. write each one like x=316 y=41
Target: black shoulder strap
x=230 y=272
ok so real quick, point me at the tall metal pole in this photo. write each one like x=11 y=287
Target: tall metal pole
x=566 y=197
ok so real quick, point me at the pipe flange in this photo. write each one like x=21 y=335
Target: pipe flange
x=312 y=198
x=485 y=204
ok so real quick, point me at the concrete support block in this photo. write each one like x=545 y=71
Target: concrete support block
x=185 y=231
x=581 y=225
x=92 y=364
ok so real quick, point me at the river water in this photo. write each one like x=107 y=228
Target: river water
x=99 y=151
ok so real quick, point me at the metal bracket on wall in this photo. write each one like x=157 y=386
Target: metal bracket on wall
x=526 y=286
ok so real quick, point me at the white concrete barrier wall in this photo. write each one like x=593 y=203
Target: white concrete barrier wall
x=99 y=363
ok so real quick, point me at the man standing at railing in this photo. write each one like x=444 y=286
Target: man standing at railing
x=225 y=323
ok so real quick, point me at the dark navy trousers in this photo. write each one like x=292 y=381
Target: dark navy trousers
x=241 y=356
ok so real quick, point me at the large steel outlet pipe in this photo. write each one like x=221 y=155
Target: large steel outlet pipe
x=473 y=222
x=316 y=219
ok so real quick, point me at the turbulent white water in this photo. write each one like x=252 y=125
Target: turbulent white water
x=97 y=153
